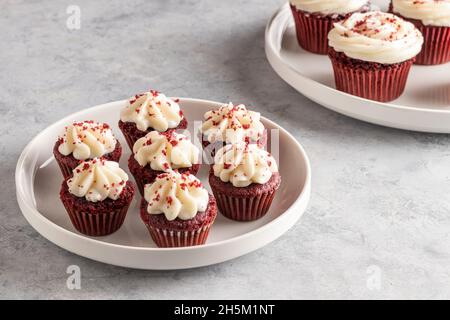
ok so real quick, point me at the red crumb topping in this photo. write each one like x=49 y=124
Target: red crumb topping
x=99 y=129
x=366 y=26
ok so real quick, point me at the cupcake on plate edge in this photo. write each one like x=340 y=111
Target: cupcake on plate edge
x=97 y=197
x=84 y=140
x=177 y=210
x=315 y=18
x=160 y=152
x=432 y=18
x=150 y=111
x=372 y=54
x=244 y=180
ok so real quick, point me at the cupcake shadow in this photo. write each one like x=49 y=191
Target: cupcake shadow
x=433 y=96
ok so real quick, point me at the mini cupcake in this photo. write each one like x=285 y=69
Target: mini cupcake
x=432 y=18
x=372 y=54
x=162 y=152
x=83 y=141
x=315 y=18
x=177 y=210
x=97 y=197
x=244 y=180
x=231 y=124
x=150 y=111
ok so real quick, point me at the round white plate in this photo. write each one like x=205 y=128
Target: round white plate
x=424 y=106
x=38 y=181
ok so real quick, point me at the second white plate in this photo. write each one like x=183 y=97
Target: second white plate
x=424 y=106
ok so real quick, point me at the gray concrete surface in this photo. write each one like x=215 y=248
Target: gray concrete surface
x=380 y=201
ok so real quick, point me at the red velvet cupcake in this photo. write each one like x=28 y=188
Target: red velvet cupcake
x=97 y=197
x=315 y=18
x=83 y=141
x=162 y=152
x=150 y=111
x=432 y=18
x=372 y=54
x=231 y=124
x=244 y=180
x=177 y=210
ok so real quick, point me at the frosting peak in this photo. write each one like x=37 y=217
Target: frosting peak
x=97 y=179
x=243 y=164
x=176 y=196
x=165 y=151
x=152 y=109
x=430 y=12
x=376 y=37
x=232 y=123
x=87 y=140
x=329 y=6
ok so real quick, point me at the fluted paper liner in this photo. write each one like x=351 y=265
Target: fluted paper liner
x=382 y=85
x=312 y=31
x=244 y=209
x=97 y=224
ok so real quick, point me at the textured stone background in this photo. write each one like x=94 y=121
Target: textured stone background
x=380 y=196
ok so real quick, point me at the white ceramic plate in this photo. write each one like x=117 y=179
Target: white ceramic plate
x=424 y=106
x=38 y=181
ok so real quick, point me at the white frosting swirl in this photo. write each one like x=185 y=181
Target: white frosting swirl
x=165 y=151
x=376 y=37
x=152 y=110
x=232 y=124
x=243 y=164
x=329 y=6
x=176 y=195
x=97 y=179
x=87 y=140
x=430 y=12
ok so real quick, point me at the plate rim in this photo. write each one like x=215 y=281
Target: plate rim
x=31 y=210
x=272 y=53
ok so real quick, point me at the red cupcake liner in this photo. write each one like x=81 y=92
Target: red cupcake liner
x=166 y=238
x=129 y=139
x=312 y=31
x=180 y=233
x=66 y=170
x=244 y=209
x=436 y=46
x=97 y=224
x=141 y=184
x=379 y=84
